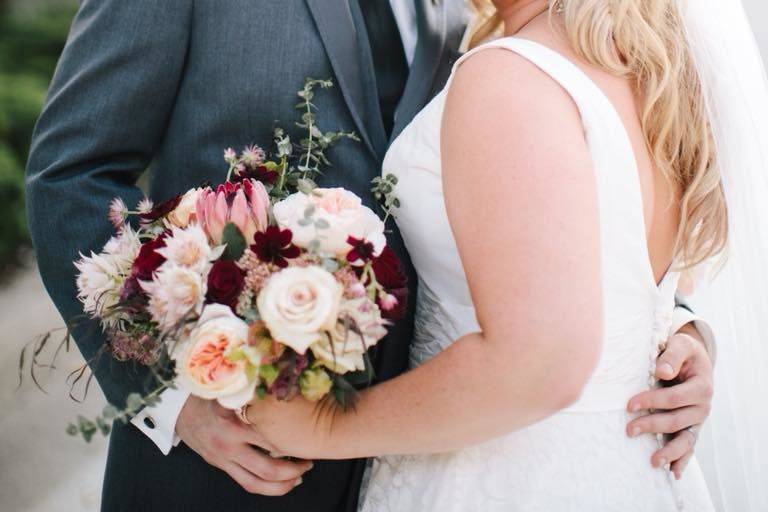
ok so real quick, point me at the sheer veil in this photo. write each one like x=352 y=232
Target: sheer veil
x=733 y=449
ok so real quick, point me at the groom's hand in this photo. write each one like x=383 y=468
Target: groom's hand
x=685 y=403
x=225 y=442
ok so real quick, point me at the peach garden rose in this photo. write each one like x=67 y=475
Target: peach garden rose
x=203 y=363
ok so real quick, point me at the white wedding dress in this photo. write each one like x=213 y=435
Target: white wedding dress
x=580 y=459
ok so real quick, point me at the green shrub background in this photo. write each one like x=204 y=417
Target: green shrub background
x=32 y=35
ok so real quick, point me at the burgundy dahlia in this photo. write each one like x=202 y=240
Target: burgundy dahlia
x=362 y=250
x=133 y=297
x=258 y=173
x=160 y=210
x=148 y=260
x=225 y=283
x=274 y=246
x=390 y=275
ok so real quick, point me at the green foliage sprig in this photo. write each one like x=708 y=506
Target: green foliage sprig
x=383 y=190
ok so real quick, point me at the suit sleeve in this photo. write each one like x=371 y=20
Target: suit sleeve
x=106 y=113
x=684 y=315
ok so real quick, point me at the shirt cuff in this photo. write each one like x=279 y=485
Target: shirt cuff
x=159 y=422
x=683 y=316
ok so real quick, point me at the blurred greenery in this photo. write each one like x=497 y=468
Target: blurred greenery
x=32 y=35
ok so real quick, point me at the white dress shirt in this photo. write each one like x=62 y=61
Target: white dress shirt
x=159 y=422
x=405 y=16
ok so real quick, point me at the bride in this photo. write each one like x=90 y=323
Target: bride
x=570 y=170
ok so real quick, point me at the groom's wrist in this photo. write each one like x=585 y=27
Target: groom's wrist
x=686 y=322
x=159 y=421
x=691 y=330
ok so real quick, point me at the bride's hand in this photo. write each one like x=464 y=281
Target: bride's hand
x=296 y=428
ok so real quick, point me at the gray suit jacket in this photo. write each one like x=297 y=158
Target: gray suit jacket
x=166 y=85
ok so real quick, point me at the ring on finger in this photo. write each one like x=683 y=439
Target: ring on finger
x=242 y=414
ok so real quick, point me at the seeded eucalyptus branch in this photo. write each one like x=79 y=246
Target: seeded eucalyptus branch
x=102 y=423
x=383 y=190
x=315 y=143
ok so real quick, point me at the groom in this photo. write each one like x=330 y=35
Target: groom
x=166 y=85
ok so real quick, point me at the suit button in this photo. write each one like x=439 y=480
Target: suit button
x=149 y=422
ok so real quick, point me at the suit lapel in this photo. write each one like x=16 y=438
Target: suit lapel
x=336 y=24
x=429 y=50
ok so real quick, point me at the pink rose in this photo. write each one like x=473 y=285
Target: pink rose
x=341 y=211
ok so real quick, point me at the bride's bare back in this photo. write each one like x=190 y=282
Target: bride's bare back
x=660 y=195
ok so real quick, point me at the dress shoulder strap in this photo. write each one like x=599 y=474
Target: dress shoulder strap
x=589 y=98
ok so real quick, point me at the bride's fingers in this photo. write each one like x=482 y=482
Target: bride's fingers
x=695 y=391
x=678 y=447
x=254 y=437
x=668 y=422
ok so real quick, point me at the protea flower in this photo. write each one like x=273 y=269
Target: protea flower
x=245 y=204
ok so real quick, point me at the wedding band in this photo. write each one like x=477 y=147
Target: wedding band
x=242 y=414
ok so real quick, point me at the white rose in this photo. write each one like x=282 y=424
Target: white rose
x=298 y=304
x=359 y=328
x=202 y=364
x=185 y=213
x=342 y=210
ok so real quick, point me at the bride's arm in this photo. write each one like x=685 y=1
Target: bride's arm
x=521 y=198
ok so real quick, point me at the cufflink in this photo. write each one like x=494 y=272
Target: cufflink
x=149 y=422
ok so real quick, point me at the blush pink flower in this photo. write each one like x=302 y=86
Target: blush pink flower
x=245 y=204
x=118 y=212
x=341 y=211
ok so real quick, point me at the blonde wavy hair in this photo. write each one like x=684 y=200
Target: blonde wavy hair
x=645 y=40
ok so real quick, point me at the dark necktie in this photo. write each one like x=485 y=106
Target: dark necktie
x=388 y=56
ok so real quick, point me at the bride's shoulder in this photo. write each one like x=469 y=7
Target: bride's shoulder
x=501 y=106
x=503 y=85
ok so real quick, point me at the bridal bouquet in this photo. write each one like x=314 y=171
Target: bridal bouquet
x=265 y=284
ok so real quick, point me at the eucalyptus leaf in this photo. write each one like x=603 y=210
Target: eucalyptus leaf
x=330 y=265
x=235 y=242
x=110 y=412
x=306 y=186
x=134 y=402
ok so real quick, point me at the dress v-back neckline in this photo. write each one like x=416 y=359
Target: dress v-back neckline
x=622 y=132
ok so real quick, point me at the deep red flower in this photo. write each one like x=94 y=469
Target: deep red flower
x=362 y=250
x=389 y=270
x=148 y=260
x=389 y=273
x=274 y=246
x=225 y=283
x=132 y=296
x=258 y=173
x=160 y=210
